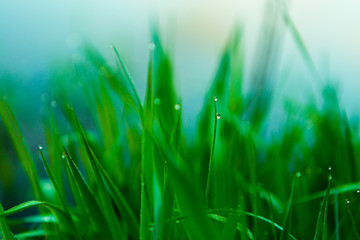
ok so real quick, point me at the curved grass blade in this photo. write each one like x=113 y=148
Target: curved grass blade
x=346 y=188
x=121 y=202
x=271 y=222
x=60 y=196
x=147 y=158
x=92 y=207
x=300 y=44
x=353 y=222
x=207 y=191
x=287 y=219
x=237 y=226
x=5 y=229
x=188 y=198
x=105 y=202
x=60 y=215
x=131 y=83
x=33 y=219
x=321 y=225
x=21 y=148
x=34 y=233
x=116 y=82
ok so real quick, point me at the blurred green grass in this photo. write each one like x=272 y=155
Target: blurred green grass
x=134 y=174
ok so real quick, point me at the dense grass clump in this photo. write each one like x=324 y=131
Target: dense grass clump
x=134 y=174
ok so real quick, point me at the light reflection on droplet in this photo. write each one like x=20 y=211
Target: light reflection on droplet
x=218 y=116
x=177 y=107
x=151 y=46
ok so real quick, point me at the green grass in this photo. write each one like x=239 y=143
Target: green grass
x=135 y=174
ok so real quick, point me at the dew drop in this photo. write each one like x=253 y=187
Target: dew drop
x=151 y=229
x=54 y=104
x=347 y=201
x=218 y=116
x=151 y=46
x=215 y=99
x=63 y=156
x=358 y=191
x=177 y=221
x=157 y=101
x=40 y=147
x=298 y=174
x=177 y=107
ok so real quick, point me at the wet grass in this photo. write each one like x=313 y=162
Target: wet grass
x=134 y=173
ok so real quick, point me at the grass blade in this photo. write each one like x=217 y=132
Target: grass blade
x=207 y=191
x=21 y=148
x=287 y=219
x=321 y=225
x=92 y=207
x=146 y=216
x=131 y=83
x=5 y=229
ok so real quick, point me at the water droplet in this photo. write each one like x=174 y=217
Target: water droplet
x=54 y=104
x=151 y=46
x=298 y=174
x=215 y=99
x=40 y=147
x=218 y=116
x=347 y=201
x=177 y=221
x=330 y=168
x=157 y=101
x=63 y=156
x=177 y=107
x=151 y=229
x=358 y=191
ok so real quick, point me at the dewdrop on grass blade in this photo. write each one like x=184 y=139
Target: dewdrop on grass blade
x=177 y=107
x=330 y=173
x=218 y=116
x=157 y=101
x=40 y=147
x=298 y=174
x=151 y=46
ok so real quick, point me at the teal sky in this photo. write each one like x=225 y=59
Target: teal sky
x=37 y=34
